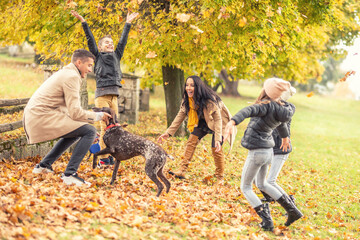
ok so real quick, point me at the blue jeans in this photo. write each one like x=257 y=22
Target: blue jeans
x=85 y=134
x=256 y=166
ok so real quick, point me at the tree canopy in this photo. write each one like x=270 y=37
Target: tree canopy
x=252 y=39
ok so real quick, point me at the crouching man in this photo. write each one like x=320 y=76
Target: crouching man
x=54 y=111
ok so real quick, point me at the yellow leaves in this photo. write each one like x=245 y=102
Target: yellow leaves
x=310 y=94
x=71 y=4
x=151 y=54
x=242 y=22
x=183 y=17
x=269 y=11
x=348 y=74
x=122 y=81
x=196 y=28
x=42 y=197
x=100 y=8
x=269 y=21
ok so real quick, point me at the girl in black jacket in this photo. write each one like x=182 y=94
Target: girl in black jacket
x=268 y=113
x=280 y=156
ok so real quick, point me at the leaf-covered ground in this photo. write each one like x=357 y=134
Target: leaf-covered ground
x=43 y=207
x=322 y=173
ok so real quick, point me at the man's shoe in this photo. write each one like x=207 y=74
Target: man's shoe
x=39 y=169
x=74 y=179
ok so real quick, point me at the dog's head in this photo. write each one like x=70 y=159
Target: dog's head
x=113 y=118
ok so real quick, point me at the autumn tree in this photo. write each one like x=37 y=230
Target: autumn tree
x=252 y=39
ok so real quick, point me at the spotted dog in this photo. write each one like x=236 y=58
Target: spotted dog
x=123 y=145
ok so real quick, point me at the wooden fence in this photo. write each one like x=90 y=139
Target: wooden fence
x=12 y=106
x=18 y=148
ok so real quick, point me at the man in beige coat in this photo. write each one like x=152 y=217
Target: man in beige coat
x=54 y=111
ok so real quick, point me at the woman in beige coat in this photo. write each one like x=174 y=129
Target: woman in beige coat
x=206 y=114
x=54 y=111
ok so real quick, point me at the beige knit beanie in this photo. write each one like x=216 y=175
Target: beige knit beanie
x=274 y=87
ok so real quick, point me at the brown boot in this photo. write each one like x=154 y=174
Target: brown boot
x=189 y=152
x=219 y=160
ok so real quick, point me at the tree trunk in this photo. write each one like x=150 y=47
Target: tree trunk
x=231 y=85
x=173 y=81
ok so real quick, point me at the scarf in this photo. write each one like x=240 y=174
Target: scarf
x=192 y=115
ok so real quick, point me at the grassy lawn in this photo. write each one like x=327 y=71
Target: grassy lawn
x=322 y=172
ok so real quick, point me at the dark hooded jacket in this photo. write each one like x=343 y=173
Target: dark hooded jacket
x=264 y=119
x=107 y=65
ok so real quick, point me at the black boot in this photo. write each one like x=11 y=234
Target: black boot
x=292 y=199
x=264 y=212
x=267 y=197
x=292 y=212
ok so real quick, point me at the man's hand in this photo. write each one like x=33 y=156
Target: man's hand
x=229 y=129
x=285 y=144
x=131 y=17
x=78 y=16
x=106 y=118
x=163 y=137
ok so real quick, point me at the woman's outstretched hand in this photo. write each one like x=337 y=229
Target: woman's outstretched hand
x=163 y=137
x=131 y=17
x=229 y=129
x=77 y=15
x=217 y=146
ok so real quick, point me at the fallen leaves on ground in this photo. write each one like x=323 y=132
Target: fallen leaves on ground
x=42 y=207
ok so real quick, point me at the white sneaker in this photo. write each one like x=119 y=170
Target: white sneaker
x=74 y=179
x=38 y=169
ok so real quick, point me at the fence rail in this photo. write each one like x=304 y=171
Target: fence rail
x=14 y=104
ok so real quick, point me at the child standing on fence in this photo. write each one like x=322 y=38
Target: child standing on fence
x=268 y=113
x=107 y=70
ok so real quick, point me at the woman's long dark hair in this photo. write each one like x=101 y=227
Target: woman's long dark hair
x=202 y=94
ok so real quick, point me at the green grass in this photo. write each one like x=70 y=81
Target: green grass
x=6 y=58
x=19 y=83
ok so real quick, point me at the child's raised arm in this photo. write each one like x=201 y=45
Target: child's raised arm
x=124 y=36
x=131 y=17
x=77 y=15
x=89 y=36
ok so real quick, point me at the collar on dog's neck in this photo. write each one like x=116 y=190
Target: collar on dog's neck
x=112 y=125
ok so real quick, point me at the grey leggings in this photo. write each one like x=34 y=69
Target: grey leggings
x=256 y=166
x=85 y=134
x=275 y=168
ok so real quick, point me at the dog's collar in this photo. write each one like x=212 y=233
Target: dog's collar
x=112 y=125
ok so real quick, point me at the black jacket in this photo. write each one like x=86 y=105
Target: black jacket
x=264 y=119
x=107 y=65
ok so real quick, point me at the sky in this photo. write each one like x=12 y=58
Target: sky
x=352 y=63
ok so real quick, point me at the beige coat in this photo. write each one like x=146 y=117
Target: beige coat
x=55 y=109
x=216 y=118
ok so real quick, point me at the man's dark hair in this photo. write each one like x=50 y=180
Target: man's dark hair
x=82 y=54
